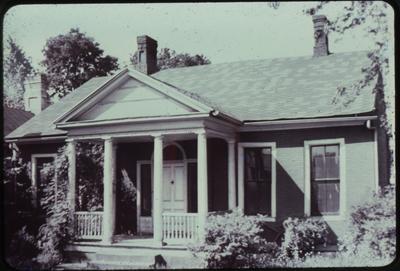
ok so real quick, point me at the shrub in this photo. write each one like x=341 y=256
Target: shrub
x=371 y=229
x=233 y=241
x=22 y=250
x=57 y=231
x=302 y=236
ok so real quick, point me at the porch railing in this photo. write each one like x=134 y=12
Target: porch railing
x=180 y=227
x=88 y=225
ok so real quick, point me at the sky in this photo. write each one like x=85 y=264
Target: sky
x=224 y=32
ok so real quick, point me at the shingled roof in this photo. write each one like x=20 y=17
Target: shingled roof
x=281 y=88
x=13 y=118
x=254 y=90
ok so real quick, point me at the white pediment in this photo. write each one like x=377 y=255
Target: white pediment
x=134 y=99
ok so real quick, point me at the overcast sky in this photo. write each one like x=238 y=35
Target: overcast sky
x=223 y=32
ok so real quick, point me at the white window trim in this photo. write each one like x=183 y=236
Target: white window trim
x=241 y=147
x=342 y=173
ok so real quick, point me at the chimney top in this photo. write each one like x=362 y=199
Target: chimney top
x=144 y=39
x=146 y=54
x=36 y=98
x=321 y=47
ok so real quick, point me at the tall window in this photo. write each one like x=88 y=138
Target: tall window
x=325 y=179
x=257 y=180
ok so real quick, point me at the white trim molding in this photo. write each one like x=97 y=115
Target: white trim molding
x=241 y=194
x=272 y=125
x=342 y=175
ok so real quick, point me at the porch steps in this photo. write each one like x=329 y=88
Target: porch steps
x=127 y=256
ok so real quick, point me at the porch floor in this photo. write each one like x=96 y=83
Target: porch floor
x=130 y=241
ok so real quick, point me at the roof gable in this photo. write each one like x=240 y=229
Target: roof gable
x=131 y=94
x=134 y=99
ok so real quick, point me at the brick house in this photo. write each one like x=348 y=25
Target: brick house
x=261 y=135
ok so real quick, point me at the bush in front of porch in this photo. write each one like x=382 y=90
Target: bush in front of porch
x=234 y=240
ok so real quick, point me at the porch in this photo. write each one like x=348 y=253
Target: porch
x=166 y=223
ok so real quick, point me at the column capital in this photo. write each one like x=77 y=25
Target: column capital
x=70 y=140
x=231 y=140
x=158 y=136
x=108 y=138
x=201 y=132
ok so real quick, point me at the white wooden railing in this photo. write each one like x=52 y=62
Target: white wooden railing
x=180 y=227
x=88 y=225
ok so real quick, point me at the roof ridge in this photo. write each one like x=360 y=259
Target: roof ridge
x=263 y=59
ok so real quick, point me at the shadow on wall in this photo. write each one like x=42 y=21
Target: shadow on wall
x=289 y=203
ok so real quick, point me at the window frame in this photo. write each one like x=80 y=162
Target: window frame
x=342 y=177
x=241 y=166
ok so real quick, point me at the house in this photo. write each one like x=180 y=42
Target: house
x=261 y=135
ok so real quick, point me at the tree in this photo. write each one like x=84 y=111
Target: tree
x=167 y=59
x=17 y=68
x=372 y=18
x=72 y=59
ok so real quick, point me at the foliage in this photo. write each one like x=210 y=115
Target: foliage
x=302 y=236
x=167 y=59
x=22 y=251
x=233 y=241
x=371 y=230
x=89 y=164
x=58 y=229
x=129 y=191
x=72 y=59
x=17 y=68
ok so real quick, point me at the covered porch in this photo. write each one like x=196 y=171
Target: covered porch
x=178 y=211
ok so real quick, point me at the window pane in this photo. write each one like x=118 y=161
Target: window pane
x=250 y=164
x=332 y=197
x=318 y=165
x=332 y=161
x=325 y=182
x=258 y=180
x=318 y=194
x=251 y=198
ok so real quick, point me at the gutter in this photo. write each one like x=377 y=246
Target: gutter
x=35 y=139
x=224 y=116
x=305 y=123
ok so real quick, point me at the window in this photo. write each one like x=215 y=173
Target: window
x=257 y=179
x=325 y=180
x=324 y=177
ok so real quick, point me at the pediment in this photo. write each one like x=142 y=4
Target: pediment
x=134 y=99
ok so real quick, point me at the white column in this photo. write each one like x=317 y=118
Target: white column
x=158 y=189
x=202 y=183
x=71 y=150
x=231 y=174
x=109 y=191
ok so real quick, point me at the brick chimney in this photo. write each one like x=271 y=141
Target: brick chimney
x=146 y=55
x=321 y=47
x=36 y=98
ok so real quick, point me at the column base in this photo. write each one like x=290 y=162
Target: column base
x=107 y=241
x=158 y=243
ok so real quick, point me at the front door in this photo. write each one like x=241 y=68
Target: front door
x=174 y=188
